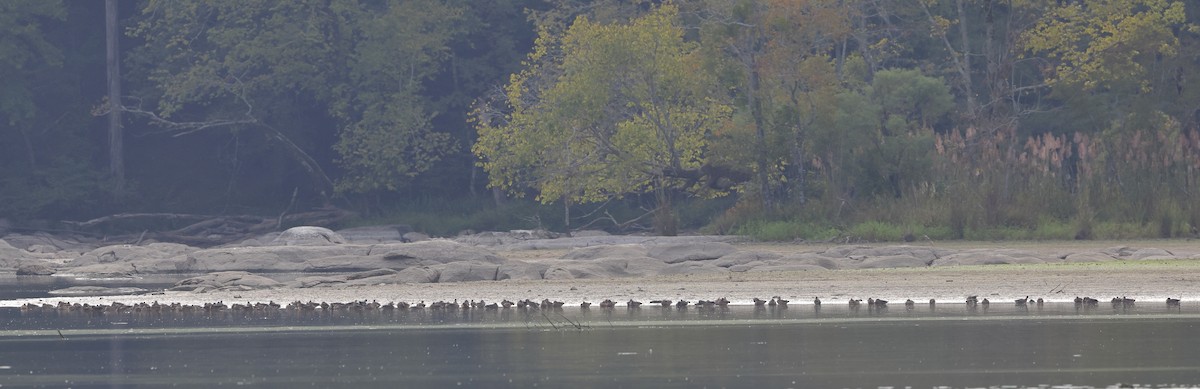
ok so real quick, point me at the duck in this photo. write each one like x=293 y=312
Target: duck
x=985 y=302
x=932 y=302
x=608 y=303
x=1039 y=301
x=722 y=302
x=909 y=303
x=880 y=302
x=681 y=304
x=1172 y=302
x=855 y=302
x=663 y=303
x=782 y=303
x=972 y=300
x=1022 y=302
x=585 y=305
x=817 y=301
x=633 y=304
x=759 y=302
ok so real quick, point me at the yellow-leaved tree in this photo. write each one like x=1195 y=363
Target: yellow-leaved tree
x=602 y=111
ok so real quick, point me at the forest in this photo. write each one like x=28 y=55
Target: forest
x=854 y=120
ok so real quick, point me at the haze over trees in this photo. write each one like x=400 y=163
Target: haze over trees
x=777 y=118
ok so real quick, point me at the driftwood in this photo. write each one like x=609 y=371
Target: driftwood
x=208 y=230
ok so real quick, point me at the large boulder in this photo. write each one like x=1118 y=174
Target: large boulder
x=308 y=236
x=375 y=234
x=344 y=263
x=12 y=257
x=468 y=271
x=517 y=270
x=701 y=251
x=814 y=259
x=229 y=280
x=606 y=251
x=893 y=261
x=744 y=257
x=130 y=253
x=632 y=266
x=1150 y=253
x=988 y=257
x=35 y=268
x=265 y=258
x=692 y=268
x=433 y=252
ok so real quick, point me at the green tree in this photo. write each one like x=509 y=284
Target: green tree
x=305 y=74
x=602 y=111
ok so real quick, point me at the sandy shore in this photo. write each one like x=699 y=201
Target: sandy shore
x=1147 y=281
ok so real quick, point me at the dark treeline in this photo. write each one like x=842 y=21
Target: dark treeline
x=776 y=118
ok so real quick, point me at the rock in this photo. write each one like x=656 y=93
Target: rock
x=375 y=234
x=558 y=273
x=433 y=252
x=928 y=254
x=30 y=268
x=316 y=281
x=988 y=257
x=371 y=273
x=58 y=242
x=743 y=267
x=814 y=259
x=1150 y=253
x=691 y=268
x=606 y=251
x=632 y=266
x=787 y=267
x=96 y=291
x=414 y=237
x=589 y=233
x=418 y=275
x=744 y=257
x=517 y=270
x=1088 y=257
x=345 y=263
x=129 y=253
x=228 y=280
x=496 y=238
x=468 y=271
x=675 y=253
x=42 y=249
x=308 y=236
x=265 y=258
x=893 y=261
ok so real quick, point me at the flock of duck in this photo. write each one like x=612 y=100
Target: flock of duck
x=527 y=304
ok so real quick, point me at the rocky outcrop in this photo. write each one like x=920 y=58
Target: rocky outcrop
x=38 y=268
x=675 y=253
x=433 y=252
x=96 y=291
x=308 y=236
x=229 y=280
x=605 y=251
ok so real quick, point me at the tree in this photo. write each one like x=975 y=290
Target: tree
x=305 y=74
x=602 y=111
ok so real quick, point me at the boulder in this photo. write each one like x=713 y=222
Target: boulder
x=814 y=259
x=433 y=252
x=370 y=274
x=744 y=257
x=265 y=258
x=345 y=263
x=632 y=266
x=893 y=261
x=316 y=281
x=414 y=237
x=988 y=257
x=606 y=251
x=1088 y=257
x=1150 y=253
x=308 y=236
x=786 y=267
x=468 y=271
x=517 y=270
x=416 y=275
x=228 y=280
x=676 y=253
x=57 y=242
x=32 y=268
x=928 y=254
x=691 y=268
x=375 y=234
x=558 y=273
x=130 y=253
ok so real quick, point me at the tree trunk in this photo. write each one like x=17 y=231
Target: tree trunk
x=116 y=153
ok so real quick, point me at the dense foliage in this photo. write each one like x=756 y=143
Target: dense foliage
x=778 y=118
